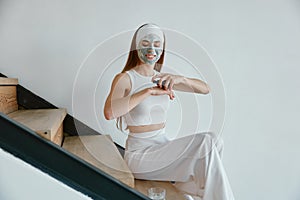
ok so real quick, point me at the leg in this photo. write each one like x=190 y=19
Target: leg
x=210 y=183
x=192 y=161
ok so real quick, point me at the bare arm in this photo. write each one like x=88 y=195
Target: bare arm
x=119 y=102
x=182 y=83
x=192 y=85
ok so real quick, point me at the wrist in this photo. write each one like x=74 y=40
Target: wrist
x=148 y=91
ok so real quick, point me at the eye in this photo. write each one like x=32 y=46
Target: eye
x=145 y=43
x=157 y=43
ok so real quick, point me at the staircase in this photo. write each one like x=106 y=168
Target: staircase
x=97 y=150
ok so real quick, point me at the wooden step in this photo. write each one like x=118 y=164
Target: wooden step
x=8 y=95
x=48 y=123
x=100 y=151
x=8 y=81
x=171 y=192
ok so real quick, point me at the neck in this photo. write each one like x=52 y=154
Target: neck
x=145 y=69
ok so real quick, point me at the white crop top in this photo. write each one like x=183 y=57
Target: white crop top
x=153 y=109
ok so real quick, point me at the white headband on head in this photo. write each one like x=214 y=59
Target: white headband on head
x=149 y=29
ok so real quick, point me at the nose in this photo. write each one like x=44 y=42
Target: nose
x=150 y=50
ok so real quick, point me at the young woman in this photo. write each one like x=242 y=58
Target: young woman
x=140 y=96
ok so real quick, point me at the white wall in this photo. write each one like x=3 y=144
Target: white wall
x=255 y=45
x=19 y=180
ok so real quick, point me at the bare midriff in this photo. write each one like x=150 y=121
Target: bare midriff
x=145 y=128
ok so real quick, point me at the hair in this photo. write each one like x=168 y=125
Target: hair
x=133 y=60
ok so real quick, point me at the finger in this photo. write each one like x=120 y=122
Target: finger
x=160 y=91
x=154 y=78
x=172 y=93
x=171 y=84
x=172 y=96
x=161 y=81
x=167 y=83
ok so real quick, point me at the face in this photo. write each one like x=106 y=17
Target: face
x=150 y=49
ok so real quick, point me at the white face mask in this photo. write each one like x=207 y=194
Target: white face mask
x=149 y=43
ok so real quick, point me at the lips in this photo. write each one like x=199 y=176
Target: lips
x=150 y=56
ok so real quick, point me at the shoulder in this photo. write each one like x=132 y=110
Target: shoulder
x=122 y=76
x=122 y=80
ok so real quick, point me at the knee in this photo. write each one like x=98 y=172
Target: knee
x=215 y=139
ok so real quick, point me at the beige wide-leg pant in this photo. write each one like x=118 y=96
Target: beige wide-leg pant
x=193 y=162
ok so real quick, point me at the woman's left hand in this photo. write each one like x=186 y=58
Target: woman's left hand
x=170 y=80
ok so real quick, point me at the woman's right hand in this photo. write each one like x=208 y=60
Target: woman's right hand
x=159 y=91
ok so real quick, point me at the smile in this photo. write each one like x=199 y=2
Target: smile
x=150 y=56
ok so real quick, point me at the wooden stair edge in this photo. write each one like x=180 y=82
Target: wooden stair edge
x=31 y=118
x=59 y=124
x=45 y=122
x=8 y=81
x=101 y=152
x=8 y=99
